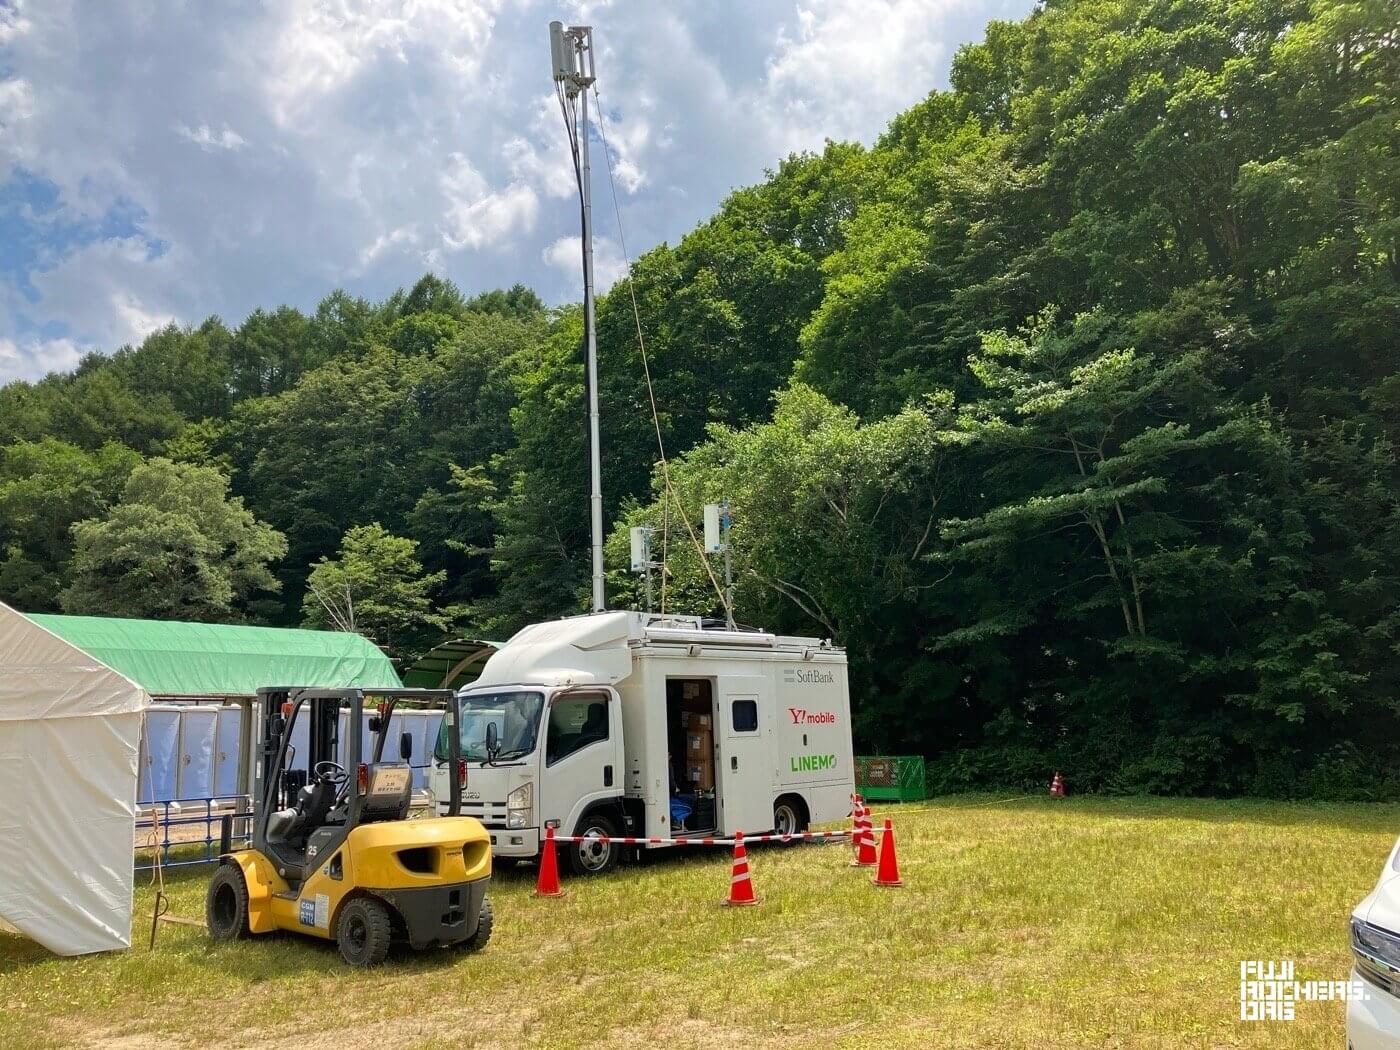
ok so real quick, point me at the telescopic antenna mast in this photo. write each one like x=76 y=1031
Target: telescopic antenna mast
x=571 y=51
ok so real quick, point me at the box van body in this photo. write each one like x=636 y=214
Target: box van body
x=625 y=723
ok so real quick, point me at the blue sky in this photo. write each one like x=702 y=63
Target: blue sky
x=164 y=160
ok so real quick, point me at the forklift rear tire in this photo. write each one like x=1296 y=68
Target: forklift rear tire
x=363 y=932
x=484 y=922
x=226 y=907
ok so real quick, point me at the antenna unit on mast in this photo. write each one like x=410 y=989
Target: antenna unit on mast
x=718 y=522
x=571 y=54
x=641 y=560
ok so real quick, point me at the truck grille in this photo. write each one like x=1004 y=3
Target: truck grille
x=491 y=814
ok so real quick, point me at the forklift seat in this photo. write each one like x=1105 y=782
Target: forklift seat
x=280 y=823
x=292 y=826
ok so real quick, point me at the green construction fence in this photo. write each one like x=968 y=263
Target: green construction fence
x=891 y=778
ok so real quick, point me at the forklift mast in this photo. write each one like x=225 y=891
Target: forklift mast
x=276 y=784
x=323 y=744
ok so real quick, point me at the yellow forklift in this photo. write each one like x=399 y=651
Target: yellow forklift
x=333 y=853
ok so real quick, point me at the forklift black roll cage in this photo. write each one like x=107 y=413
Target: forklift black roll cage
x=274 y=783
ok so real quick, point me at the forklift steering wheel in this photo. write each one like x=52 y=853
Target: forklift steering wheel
x=330 y=772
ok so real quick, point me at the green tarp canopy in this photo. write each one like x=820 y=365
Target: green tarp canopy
x=449 y=665
x=170 y=658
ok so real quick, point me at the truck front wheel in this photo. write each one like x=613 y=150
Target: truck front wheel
x=597 y=854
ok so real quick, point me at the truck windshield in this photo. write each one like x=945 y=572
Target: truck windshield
x=516 y=716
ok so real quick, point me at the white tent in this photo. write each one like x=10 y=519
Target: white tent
x=70 y=730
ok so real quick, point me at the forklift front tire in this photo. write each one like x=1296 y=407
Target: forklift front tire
x=226 y=908
x=363 y=932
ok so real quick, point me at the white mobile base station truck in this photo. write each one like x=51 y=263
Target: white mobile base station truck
x=624 y=723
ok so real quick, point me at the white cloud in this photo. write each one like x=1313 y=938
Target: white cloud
x=16 y=107
x=841 y=64
x=320 y=47
x=114 y=292
x=136 y=318
x=35 y=358
x=476 y=215
x=348 y=143
x=390 y=240
x=550 y=169
x=566 y=256
x=208 y=141
x=13 y=24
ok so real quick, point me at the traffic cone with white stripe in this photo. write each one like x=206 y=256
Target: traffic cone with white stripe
x=740 y=885
x=865 y=841
x=547 y=885
x=888 y=873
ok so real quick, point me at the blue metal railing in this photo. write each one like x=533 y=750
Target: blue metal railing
x=193 y=826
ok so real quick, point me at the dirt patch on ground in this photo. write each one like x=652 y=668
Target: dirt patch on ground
x=76 y=1032
x=404 y=1023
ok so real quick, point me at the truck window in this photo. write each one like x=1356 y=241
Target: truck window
x=515 y=714
x=574 y=723
x=744 y=716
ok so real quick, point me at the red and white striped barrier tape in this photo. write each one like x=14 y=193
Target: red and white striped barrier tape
x=639 y=840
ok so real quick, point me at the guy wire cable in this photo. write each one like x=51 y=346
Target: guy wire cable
x=646 y=371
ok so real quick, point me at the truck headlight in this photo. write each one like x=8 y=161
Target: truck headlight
x=519 y=803
x=1377 y=954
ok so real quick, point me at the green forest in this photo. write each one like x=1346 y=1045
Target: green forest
x=1068 y=407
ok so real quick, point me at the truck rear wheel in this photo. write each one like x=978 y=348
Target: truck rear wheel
x=363 y=932
x=599 y=854
x=788 y=817
x=226 y=907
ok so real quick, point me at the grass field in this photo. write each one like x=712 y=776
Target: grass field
x=1032 y=923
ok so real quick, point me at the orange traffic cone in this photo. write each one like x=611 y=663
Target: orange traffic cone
x=1057 y=786
x=740 y=885
x=865 y=841
x=548 y=883
x=888 y=872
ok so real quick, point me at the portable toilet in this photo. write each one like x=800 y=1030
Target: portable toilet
x=226 y=751
x=199 y=727
x=160 y=755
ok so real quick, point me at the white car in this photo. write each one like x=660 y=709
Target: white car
x=1373 y=1023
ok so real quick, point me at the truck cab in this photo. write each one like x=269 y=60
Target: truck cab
x=633 y=724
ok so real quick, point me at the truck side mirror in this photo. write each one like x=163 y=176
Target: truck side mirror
x=493 y=740
x=405 y=746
